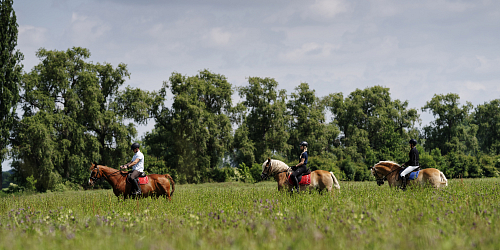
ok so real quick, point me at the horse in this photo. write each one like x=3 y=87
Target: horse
x=159 y=185
x=388 y=170
x=320 y=179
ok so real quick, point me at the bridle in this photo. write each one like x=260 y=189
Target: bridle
x=380 y=180
x=95 y=178
x=101 y=173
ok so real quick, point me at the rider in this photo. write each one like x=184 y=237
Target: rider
x=412 y=163
x=137 y=164
x=300 y=168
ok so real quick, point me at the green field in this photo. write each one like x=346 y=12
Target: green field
x=465 y=215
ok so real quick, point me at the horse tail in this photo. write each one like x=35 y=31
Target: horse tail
x=172 y=183
x=443 y=179
x=335 y=181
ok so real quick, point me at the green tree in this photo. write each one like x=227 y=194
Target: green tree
x=10 y=74
x=487 y=118
x=307 y=122
x=71 y=118
x=265 y=120
x=452 y=130
x=373 y=126
x=195 y=133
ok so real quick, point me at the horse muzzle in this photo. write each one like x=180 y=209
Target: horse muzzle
x=380 y=182
x=264 y=176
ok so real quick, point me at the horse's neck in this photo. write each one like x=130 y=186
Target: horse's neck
x=280 y=167
x=387 y=170
x=113 y=176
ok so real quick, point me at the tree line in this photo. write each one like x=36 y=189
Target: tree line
x=68 y=112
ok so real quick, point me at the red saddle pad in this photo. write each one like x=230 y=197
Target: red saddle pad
x=306 y=180
x=143 y=180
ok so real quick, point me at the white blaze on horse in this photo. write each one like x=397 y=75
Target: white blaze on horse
x=389 y=171
x=319 y=179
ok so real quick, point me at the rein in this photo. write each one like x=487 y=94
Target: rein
x=379 y=180
x=103 y=174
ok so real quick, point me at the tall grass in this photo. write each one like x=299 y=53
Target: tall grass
x=464 y=215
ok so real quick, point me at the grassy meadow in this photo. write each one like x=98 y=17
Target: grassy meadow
x=465 y=215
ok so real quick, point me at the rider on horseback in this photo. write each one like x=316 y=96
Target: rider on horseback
x=412 y=163
x=137 y=164
x=300 y=168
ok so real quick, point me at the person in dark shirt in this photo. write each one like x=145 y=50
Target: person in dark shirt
x=412 y=163
x=300 y=168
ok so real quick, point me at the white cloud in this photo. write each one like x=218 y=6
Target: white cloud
x=31 y=36
x=474 y=86
x=487 y=65
x=326 y=8
x=309 y=51
x=218 y=37
x=86 y=30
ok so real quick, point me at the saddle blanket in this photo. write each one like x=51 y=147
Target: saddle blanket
x=414 y=175
x=143 y=180
x=303 y=180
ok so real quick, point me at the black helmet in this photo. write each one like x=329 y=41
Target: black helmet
x=304 y=143
x=134 y=145
x=413 y=142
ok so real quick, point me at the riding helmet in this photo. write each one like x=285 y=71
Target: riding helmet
x=413 y=142
x=304 y=143
x=134 y=145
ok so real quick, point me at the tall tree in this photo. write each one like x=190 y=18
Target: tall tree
x=71 y=118
x=10 y=74
x=307 y=122
x=452 y=130
x=196 y=132
x=373 y=126
x=265 y=122
x=487 y=117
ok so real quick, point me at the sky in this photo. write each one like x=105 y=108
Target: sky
x=415 y=48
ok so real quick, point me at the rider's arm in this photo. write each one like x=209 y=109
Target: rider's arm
x=130 y=164
x=302 y=160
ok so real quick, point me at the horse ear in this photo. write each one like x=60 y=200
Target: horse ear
x=94 y=164
x=268 y=159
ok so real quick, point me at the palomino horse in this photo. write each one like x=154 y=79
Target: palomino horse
x=159 y=185
x=388 y=170
x=320 y=179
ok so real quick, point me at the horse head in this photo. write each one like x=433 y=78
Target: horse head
x=95 y=173
x=266 y=167
x=382 y=169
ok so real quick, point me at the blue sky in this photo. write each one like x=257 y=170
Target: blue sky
x=415 y=48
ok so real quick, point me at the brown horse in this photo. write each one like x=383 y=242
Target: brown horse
x=320 y=179
x=388 y=170
x=159 y=185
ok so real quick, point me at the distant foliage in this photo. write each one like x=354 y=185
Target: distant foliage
x=76 y=112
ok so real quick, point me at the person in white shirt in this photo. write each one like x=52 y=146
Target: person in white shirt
x=137 y=164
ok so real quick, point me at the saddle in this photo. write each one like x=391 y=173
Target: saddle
x=302 y=181
x=412 y=175
x=143 y=178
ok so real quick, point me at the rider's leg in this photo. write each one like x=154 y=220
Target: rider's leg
x=134 y=181
x=296 y=174
x=403 y=174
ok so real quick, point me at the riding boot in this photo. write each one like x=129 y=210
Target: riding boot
x=403 y=179
x=297 y=186
x=137 y=187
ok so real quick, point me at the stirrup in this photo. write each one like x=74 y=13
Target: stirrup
x=403 y=187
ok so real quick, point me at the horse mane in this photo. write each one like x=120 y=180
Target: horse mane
x=389 y=164
x=277 y=166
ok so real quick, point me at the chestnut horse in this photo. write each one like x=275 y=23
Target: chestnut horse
x=388 y=170
x=159 y=185
x=320 y=179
